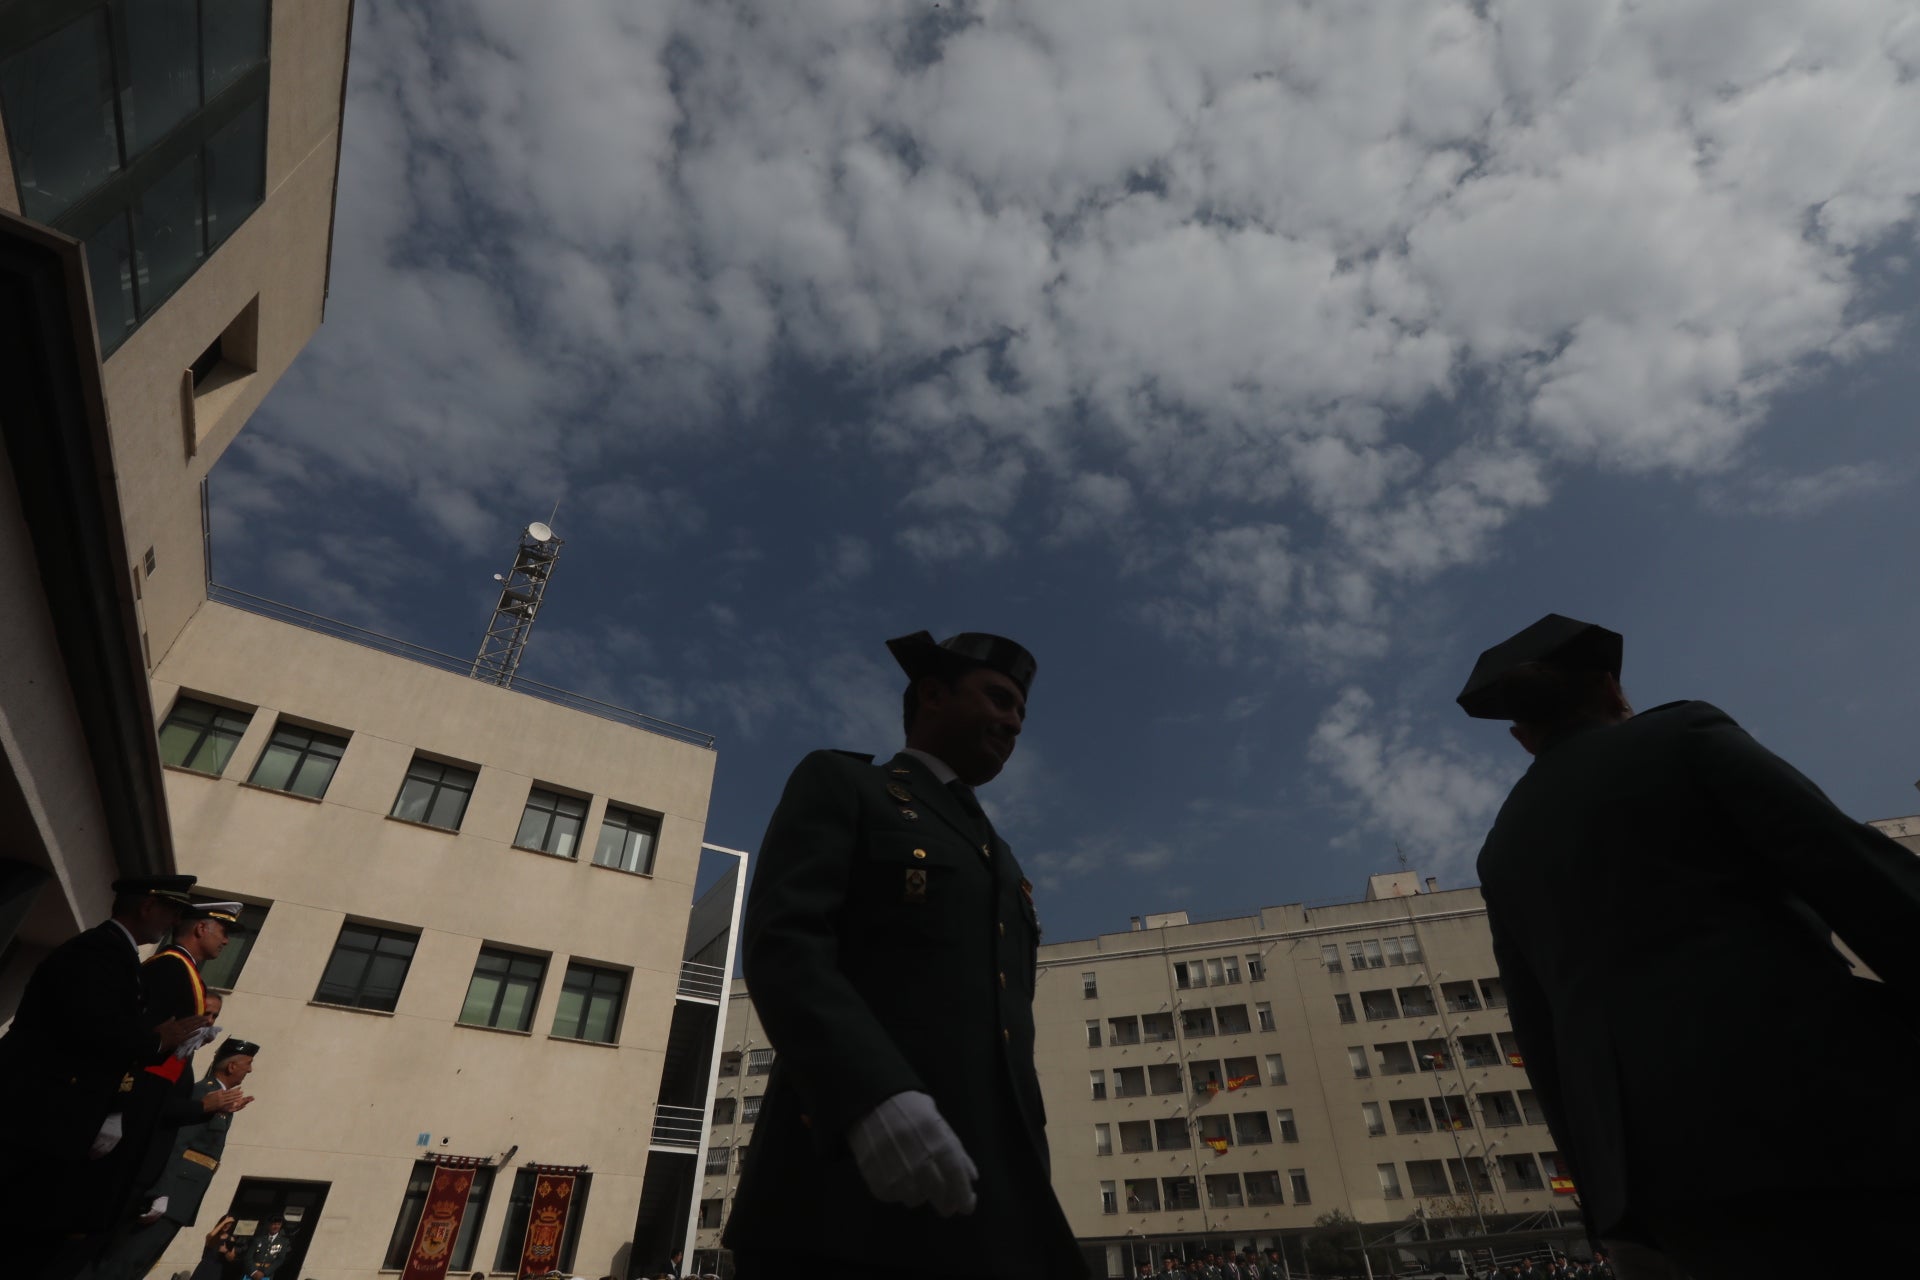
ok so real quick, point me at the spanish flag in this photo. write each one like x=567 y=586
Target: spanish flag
x=1239 y=1081
x=1213 y=1086
x=1219 y=1146
x=1514 y=1060
x=1561 y=1186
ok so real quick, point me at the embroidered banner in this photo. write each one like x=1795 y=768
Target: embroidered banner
x=546 y=1224
x=439 y=1223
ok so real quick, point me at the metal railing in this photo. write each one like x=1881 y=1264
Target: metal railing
x=447 y=662
x=702 y=981
x=678 y=1126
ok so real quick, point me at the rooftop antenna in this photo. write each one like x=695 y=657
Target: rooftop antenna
x=522 y=588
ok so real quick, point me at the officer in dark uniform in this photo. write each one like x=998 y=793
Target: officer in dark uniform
x=1688 y=1052
x=889 y=943
x=270 y=1250
x=80 y=1031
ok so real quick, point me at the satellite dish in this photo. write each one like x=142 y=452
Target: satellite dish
x=539 y=532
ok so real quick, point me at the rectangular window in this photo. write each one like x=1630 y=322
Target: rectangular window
x=298 y=760
x=1232 y=1019
x=1493 y=992
x=1263 y=1011
x=1250 y=1128
x=730 y=1063
x=1356 y=956
x=1499 y=1111
x=1379 y=1006
x=1169 y=1134
x=201 y=736
x=1330 y=957
x=1216 y=975
x=367 y=968
x=1263 y=1187
x=760 y=1062
x=1288 y=1131
x=1529 y=1107
x=1216 y=1129
x=1417 y=1001
x=1196 y=1022
x=504 y=988
x=551 y=823
x=1123 y=1031
x=750 y=1107
x=1432 y=1055
x=1164 y=1077
x=1357 y=1059
x=1256 y=969
x=1156 y=1028
x=1474 y=1169
x=435 y=793
x=513 y=1231
x=719 y=1156
x=1410 y=1115
x=1460 y=997
x=723 y=1111
x=1188 y=974
x=1374 y=958
x=1298 y=1177
x=1097 y=1083
x=1179 y=1193
x=1276 y=1069
x=627 y=840
x=1344 y=1003
x=1450 y=1112
x=1129 y=1082
x=1370 y=1113
x=1410 y=947
x=1391 y=946
x=1205 y=1074
x=1231 y=964
x=58 y=97
x=1109 y=1198
x=1244 y=1070
x=710 y=1213
x=1480 y=1051
x=222 y=972
x=1143 y=1195
x=1389 y=1181
x=414 y=1202
x=590 y=1000
x=1089 y=985
x=1093 y=1033
x=1136 y=1136
x=1426 y=1178
x=1103 y=1140
x=1223 y=1191
x=1395 y=1058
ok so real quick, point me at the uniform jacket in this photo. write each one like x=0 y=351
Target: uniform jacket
x=267 y=1253
x=1661 y=894
x=890 y=944
x=190 y=1164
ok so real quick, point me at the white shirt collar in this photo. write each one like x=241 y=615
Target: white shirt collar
x=941 y=773
x=124 y=932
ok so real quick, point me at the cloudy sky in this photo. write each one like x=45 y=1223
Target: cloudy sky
x=1255 y=364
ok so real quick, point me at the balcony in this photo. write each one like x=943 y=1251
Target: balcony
x=704 y=982
x=678 y=1127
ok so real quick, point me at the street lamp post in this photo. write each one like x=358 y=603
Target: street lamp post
x=1433 y=1062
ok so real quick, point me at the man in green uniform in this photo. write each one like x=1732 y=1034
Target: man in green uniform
x=1660 y=1042
x=889 y=942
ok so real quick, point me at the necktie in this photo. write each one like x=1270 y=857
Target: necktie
x=968 y=801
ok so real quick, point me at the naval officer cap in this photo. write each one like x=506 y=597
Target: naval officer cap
x=172 y=889
x=919 y=656
x=1507 y=683
x=227 y=913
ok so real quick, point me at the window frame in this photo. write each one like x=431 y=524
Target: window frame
x=553 y=812
x=508 y=979
x=379 y=934
x=592 y=972
x=443 y=782
x=316 y=738
x=211 y=729
x=630 y=821
x=413 y=1203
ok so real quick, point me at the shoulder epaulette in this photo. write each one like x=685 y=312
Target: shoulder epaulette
x=864 y=757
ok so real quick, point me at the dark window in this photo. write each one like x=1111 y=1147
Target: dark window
x=627 y=840
x=1180 y=1193
x=367 y=967
x=730 y=1063
x=222 y=972
x=1143 y=1195
x=504 y=989
x=1263 y=1188
x=551 y=823
x=298 y=760
x=233 y=40
x=723 y=1109
x=110 y=271
x=257 y=1201
x=750 y=1107
x=236 y=160
x=760 y=1062
x=590 y=1000
x=1344 y=1004
x=719 y=1155
x=435 y=793
x=1250 y=1128
x=414 y=1204
x=513 y=1233
x=1169 y=1134
x=201 y=736
x=710 y=1211
x=57 y=96
x=1298 y=1177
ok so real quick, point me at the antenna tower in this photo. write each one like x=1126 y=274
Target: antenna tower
x=521 y=590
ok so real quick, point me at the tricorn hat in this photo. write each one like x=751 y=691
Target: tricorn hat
x=918 y=656
x=233 y=1047
x=170 y=888
x=1500 y=687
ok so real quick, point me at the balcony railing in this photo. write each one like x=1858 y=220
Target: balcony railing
x=702 y=981
x=678 y=1126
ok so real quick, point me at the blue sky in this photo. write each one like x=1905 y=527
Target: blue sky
x=1255 y=372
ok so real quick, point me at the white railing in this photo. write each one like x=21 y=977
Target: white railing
x=678 y=1126
x=702 y=981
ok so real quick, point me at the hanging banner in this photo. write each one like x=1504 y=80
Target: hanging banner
x=439 y=1222
x=546 y=1224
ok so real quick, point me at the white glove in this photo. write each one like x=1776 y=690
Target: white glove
x=154 y=1210
x=909 y=1155
x=197 y=1041
x=108 y=1138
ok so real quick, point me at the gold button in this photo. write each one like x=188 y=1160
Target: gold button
x=919 y=853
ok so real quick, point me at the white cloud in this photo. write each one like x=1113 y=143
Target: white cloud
x=1776 y=494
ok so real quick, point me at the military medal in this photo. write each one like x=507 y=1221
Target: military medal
x=899 y=793
x=916 y=890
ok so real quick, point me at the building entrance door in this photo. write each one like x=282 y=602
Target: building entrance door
x=258 y=1201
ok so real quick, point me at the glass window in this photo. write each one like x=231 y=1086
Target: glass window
x=110 y=273
x=414 y=1202
x=1256 y=969
x=718 y=1156
x=723 y=1109
x=1288 y=1131
x=1143 y=1195
x=1097 y=1081
x=1089 y=985
x=1093 y=1033
x=1330 y=956
x=760 y=1062
x=1374 y=959
x=1357 y=1059
x=1376 y=1125
x=163 y=69
x=435 y=793
x=1263 y=1187
x=1389 y=1182
x=513 y=1232
x=1216 y=976
x=711 y=1213
x=1188 y=974
x=1391 y=946
x=551 y=823
x=236 y=159
x=1356 y=955
x=367 y=968
x=1410 y=947
x=504 y=988
x=627 y=840
x=1276 y=1069
x=1250 y=1128
x=1344 y=1003
x=223 y=971
x=1109 y=1198
x=750 y=1107
x=1264 y=1011
x=298 y=760
x=233 y=35
x=1231 y=964
x=1180 y=1193
x=167 y=234
x=1103 y=1140
x=57 y=98
x=590 y=1001
x=1299 y=1179
x=1223 y=1191
x=200 y=736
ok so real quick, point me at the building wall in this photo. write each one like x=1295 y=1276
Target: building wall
x=743 y=1034
x=344 y=1094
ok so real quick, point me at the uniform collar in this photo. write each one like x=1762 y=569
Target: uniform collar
x=942 y=772
x=125 y=933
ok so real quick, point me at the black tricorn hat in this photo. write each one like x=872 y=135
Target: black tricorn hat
x=918 y=656
x=233 y=1047
x=171 y=888
x=1500 y=687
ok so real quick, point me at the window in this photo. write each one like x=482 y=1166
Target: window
x=1426 y=1177
x=1204 y=1074
x=513 y=1232
x=1395 y=1059
x=1410 y=1116
x=1379 y=1006
x=1136 y=1136
x=1499 y=1111
x=1460 y=997
x=1179 y=1193
x=1357 y=1059
x=1374 y=958
x=723 y=1109
x=1391 y=946
x=1129 y=1082
x=1097 y=1082
x=1389 y=1181
x=504 y=989
x=1493 y=992
x=719 y=1157
x=434 y=793
x=1143 y=1195
x=1188 y=974
x=1196 y=1022
x=1263 y=1013
x=222 y=972
x=1276 y=1069
x=1330 y=957
x=1093 y=1033
x=1476 y=1168
x=590 y=1000
x=1451 y=1112
x=1356 y=955
x=1089 y=985
x=1298 y=1177
x=1216 y=974
x=1231 y=964
x=1169 y=1134
x=750 y=1108
x=1432 y=1055
x=1344 y=1003
x=730 y=1063
x=414 y=1203
x=1245 y=1070
x=1103 y=1140
x=1109 y=1198
x=367 y=967
x=1529 y=1105
x=1233 y=1020
x=1156 y=1027
x=759 y=1062
x=1370 y=1112
x=1417 y=1002
x=1410 y=948
x=1288 y=1131
x=1123 y=1031
x=1480 y=1051
x=1164 y=1077
x=1510 y=1050
x=710 y=1213
x=1223 y=1191
x=1263 y=1188
x=551 y=823
x=298 y=760
x=627 y=840
x=1256 y=969
x=1250 y=1128
x=200 y=736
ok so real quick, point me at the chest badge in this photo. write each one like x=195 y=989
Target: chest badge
x=899 y=793
x=916 y=890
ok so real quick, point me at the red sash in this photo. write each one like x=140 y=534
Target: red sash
x=172 y=1068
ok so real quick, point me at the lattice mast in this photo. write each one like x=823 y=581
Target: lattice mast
x=522 y=588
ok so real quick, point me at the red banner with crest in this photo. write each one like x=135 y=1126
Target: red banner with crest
x=547 y=1223
x=440 y=1217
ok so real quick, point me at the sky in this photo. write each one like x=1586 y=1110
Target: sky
x=1254 y=364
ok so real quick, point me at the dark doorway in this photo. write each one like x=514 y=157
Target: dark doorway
x=258 y=1201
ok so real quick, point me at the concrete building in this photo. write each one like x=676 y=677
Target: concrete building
x=472 y=942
